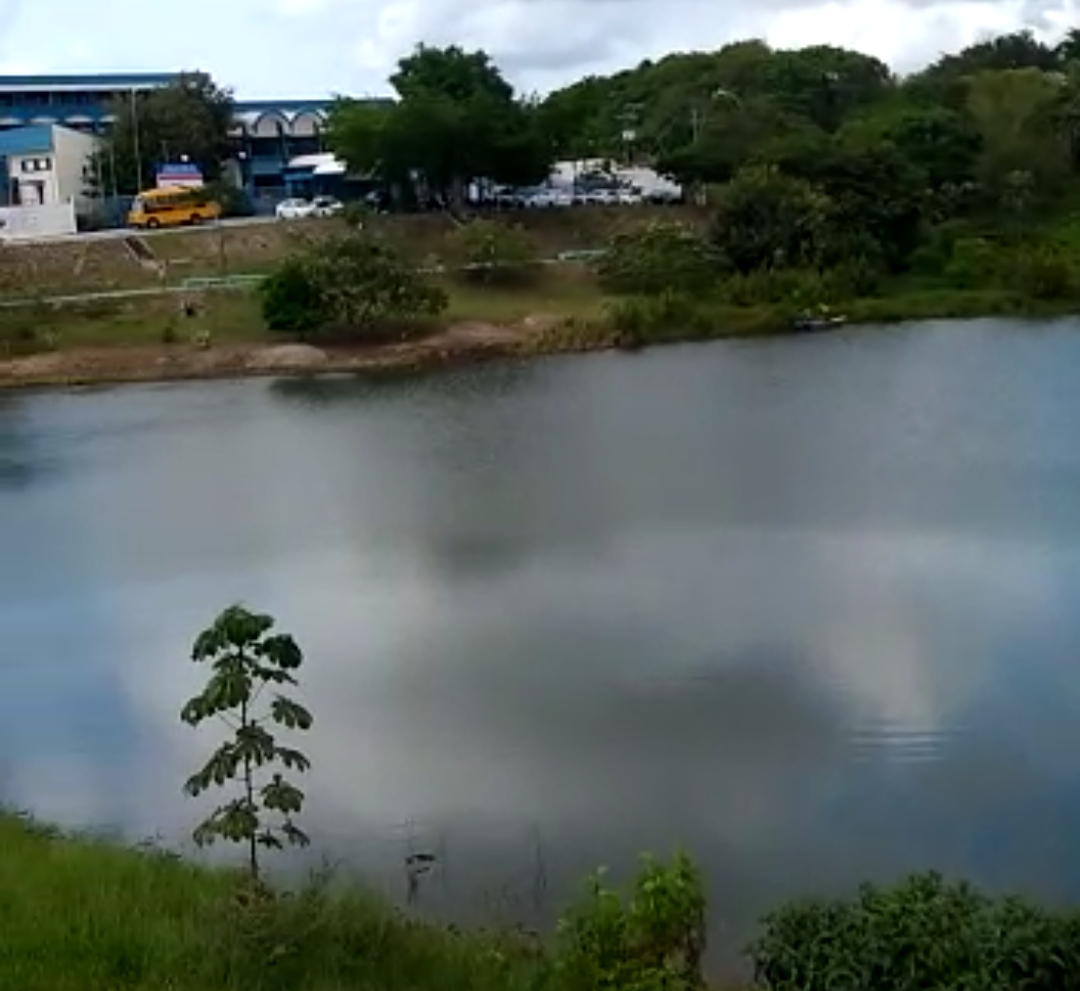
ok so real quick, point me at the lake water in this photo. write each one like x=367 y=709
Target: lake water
x=810 y=607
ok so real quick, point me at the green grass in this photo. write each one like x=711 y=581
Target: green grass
x=94 y=264
x=568 y=292
x=233 y=317
x=79 y=914
x=230 y=317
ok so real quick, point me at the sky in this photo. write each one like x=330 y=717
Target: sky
x=315 y=48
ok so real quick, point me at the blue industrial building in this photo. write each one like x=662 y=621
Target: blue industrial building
x=269 y=134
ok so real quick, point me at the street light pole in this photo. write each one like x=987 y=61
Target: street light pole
x=135 y=141
x=698 y=119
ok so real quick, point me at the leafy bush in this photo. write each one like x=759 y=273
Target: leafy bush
x=352 y=284
x=640 y=320
x=923 y=935
x=652 y=940
x=356 y=214
x=244 y=658
x=234 y=202
x=493 y=253
x=292 y=301
x=766 y=218
x=858 y=276
x=974 y=262
x=659 y=257
x=1042 y=272
x=798 y=288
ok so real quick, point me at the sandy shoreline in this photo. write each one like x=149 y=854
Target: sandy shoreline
x=469 y=341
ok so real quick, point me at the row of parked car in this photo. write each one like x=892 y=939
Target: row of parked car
x=550 y=197
x=296 y=208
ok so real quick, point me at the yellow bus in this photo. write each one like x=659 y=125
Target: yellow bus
x=171 y=207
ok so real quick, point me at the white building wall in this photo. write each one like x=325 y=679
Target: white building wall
x=54 y=175
x=35 y=176
x=72 y=150
x=33 y=222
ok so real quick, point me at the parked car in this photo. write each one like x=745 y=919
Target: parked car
x=604 y=197
x=549 y=198
x=293 y=209
x=326 y=206
x=665 y=195
x=507 y=198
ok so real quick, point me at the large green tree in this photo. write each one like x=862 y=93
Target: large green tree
x=456 y=119
x=188 y=118
x=1015 y=113
x=765 y=219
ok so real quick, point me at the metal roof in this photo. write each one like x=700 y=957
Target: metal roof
x=96 y=82
x=281 y=106
x=32 y=140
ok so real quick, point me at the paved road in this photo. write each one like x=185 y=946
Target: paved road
x=119 y=232
x=129 y=231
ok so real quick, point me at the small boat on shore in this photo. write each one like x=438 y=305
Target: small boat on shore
x=809 y=324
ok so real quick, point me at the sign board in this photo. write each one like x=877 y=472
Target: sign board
x=179 y=174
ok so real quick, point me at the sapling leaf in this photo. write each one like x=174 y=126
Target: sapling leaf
x=244 y=659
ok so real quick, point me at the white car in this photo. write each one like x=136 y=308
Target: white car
x=294 y=209
x=549 y=198
x=326 y=206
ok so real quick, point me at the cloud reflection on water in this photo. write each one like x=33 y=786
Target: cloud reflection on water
x=552 y=600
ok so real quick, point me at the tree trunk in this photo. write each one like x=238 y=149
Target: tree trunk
x=457 y=194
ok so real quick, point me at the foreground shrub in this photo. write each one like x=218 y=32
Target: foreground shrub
x=352 y=285
x=493 y=253
x=923 y=935
x=659 y=257
x=244 y=658
x=650 y=939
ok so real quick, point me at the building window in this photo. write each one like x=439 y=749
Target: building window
x=36 y=164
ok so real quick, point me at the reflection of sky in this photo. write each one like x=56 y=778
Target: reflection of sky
x=805 y=605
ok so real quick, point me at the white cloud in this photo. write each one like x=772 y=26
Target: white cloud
x=317 y=47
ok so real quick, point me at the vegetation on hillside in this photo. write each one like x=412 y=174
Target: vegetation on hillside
x=824 y=180
x=822 y=170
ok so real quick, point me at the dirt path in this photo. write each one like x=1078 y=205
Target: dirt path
x=164 y=362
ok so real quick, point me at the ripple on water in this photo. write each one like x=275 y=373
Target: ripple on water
x=892 y=741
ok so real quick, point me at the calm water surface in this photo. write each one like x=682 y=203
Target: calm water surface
x=811 y=607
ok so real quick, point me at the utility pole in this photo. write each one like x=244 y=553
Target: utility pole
x=135 y=141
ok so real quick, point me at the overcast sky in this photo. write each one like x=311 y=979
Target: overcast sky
x=301 y=48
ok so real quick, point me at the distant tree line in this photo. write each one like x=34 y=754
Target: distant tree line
x=813 y=158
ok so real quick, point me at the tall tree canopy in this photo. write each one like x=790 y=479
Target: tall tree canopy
x=191 y=116
x=821 y=146
x=456 y=119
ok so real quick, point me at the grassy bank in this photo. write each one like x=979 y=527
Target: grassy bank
x=568 y=293
x=78 y=914
x=94 y=264
x=82 y=914
x=561 y=309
